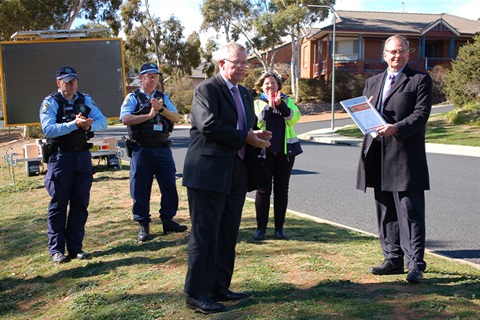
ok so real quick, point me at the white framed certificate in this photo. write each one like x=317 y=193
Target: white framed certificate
x=364 y=114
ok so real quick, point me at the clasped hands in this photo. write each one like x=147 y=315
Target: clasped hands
x=83 y=122
x=274 y=98
x=156 y=105
x=259 y=138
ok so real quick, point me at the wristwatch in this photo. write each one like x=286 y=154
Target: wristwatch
x=161 y=109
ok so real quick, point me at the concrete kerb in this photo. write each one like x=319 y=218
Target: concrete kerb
x=328 y=136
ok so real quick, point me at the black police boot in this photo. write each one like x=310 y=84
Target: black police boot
x=144 y=232
x=172 y=226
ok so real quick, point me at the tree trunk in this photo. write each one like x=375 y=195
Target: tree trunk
x=295 y=68
x=77 y=5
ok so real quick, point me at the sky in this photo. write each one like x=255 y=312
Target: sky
x=188 y=11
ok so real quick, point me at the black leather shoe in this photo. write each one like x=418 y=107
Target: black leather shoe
x=280 y=234
x=204 y=304
x=79 y=255
x=172 y=226
x=387 y=267
x=259 y=234
x=228 y=295
x=144 y=232
x=415 y=276
x=59 y=258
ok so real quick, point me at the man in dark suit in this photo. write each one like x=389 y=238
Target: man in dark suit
x=395 y=164
x=215 y=175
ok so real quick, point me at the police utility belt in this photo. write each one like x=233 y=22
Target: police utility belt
x=49 y=148
x=130 y=143
x=162 y=142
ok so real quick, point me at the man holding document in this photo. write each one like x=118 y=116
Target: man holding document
x=394 y=163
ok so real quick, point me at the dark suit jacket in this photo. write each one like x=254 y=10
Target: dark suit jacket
x=214 y=137
x=403 y=159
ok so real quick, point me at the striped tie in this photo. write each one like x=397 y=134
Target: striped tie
x=392 y=82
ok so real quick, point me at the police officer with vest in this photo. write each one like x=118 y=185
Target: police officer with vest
x=68 y=118
x=150 y=115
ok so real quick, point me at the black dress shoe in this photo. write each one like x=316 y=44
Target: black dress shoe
x=280 y=234
x=59 y=258
x=79 y=255
x=144 y=232
x=203 y=304
x=259 y=234
x=228 y=295
x=387 y=267
x=415 y=276
x=172 y=226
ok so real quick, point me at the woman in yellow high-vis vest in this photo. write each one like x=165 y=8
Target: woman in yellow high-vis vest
x=277 y=113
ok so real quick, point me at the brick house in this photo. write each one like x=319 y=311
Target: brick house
x=283 y=54
x=360 y=36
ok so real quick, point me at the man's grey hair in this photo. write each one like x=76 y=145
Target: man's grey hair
x=399 y=37
x=225 y=50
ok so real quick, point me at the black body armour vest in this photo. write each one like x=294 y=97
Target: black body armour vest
x=77 y=139
x=153 y=132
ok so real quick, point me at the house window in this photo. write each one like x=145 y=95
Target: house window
x=315 y=53
x=346 y=50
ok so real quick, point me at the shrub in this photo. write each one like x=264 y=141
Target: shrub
x=462 y=83
x=438 y=74
x=312 y=90
x=34 y=132
x=347 y=85
x=112 y=122
x=469 y=114
x=180 y=90
x=251 y=75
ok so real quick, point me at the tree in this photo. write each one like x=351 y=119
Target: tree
x=222 y=15
x=252 y=20
x=263 y=23
x=22 y=15
x=296 y=17
x=149 y=38
x=207 y=54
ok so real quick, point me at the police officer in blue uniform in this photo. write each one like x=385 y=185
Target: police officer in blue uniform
x=68 y=118
x=150 y=115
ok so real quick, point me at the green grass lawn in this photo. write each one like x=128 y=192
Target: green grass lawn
x=438 y=130
x=320 y=273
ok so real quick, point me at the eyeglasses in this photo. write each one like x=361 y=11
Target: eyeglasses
x=394 y=52
x=237 y=63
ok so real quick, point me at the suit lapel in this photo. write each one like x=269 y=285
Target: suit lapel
x=226 y=91
x=243 y=95
x=377 y=89
x=401 y=78
x=247 y=107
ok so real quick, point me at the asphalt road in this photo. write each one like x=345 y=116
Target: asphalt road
x=323 y=185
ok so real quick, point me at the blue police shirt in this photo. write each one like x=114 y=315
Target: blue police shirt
x=52 y=129
x=130 y=103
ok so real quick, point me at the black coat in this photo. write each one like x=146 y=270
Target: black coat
x=214 y=137
x=403 y=158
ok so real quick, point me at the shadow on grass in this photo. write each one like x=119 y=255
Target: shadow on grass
x=327 y=299
x=302 y=230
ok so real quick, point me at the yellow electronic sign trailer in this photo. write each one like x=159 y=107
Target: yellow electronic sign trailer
x=27 y=71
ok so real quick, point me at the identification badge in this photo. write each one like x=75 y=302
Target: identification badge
x=158 y=127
